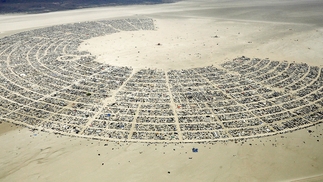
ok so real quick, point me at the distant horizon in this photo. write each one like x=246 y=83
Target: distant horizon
x=44 y=6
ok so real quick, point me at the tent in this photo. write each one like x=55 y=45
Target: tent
x=195 y=150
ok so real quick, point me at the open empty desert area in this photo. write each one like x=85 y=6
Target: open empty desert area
x=125 y=93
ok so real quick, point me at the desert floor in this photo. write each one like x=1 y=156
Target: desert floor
x=278 y=30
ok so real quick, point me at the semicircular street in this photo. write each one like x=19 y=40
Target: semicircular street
x=48 y=84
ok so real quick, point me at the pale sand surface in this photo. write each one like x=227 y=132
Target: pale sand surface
x=39 y=156
x=191 y=42
x=285 y=30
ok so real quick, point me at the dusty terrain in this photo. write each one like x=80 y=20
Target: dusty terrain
x=39 y=156
x=279 y=30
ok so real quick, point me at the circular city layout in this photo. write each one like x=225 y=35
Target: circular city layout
x=46 y=83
